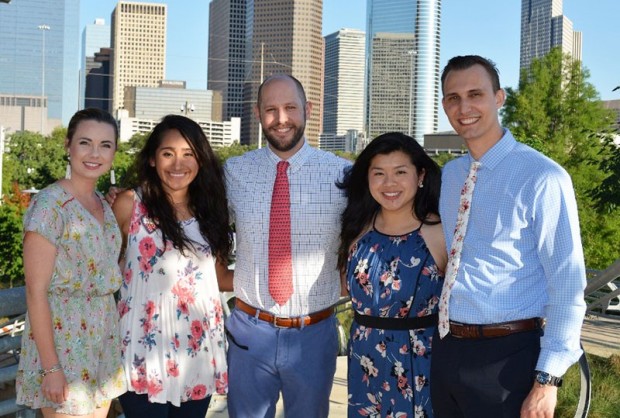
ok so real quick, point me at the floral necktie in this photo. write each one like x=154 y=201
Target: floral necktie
x=454 y=257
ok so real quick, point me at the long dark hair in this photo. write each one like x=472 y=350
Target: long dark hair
x=207 y=193
x=362 y=207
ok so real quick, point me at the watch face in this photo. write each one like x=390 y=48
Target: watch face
x=543 y=378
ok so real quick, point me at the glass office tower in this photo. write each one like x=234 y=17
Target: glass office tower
x=399 y=17
x=39 y=53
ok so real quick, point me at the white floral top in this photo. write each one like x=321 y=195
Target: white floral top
x=85 y=321
x=171 y=316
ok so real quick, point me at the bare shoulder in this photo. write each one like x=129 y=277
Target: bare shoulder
x=435 y=241
x=122 y=207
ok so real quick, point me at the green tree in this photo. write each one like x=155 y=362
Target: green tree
x=32 y=160
x=607 y=196
x=11 y=213
x=557 y=111
x=234 y=150
x=124 y=162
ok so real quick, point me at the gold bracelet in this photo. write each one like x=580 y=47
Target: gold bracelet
x=55 y=368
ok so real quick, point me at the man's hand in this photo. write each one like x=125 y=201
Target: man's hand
x=540 y=403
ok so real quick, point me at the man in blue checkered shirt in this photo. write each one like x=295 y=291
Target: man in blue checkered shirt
x=517 y=306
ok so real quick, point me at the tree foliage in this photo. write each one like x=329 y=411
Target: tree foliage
x=234 y=150
x=558 y=112
x=607 y=196
x=32 y=160
x=11 y=213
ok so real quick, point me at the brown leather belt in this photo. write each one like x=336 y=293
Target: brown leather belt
x=282 y=321
x=501 y=329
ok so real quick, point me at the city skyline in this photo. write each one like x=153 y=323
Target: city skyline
x=483 y=27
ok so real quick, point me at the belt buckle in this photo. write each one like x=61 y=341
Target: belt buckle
x=275 y=321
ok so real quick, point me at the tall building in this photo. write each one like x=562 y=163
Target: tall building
x=343 y=99
x=284 y=36
x=391 y=84
x=226 y=69
x=98 y=85
x=94 y=37
x=543 y=27
x=139 y=47
x=420 y=18
x=156 y=102
x=38 y=55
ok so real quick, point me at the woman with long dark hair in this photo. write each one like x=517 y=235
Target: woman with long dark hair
x=177 y=242
x=392 y=256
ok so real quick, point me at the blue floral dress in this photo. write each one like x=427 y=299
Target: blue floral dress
x=389 y=370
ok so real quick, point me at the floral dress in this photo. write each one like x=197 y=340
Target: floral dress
x=389 y=370
x=85 y=320
x=172 y=324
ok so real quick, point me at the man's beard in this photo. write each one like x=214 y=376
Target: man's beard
x=289 y=145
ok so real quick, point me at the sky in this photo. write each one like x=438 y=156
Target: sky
x=490 y=28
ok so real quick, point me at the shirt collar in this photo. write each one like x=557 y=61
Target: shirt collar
x=497 y=152
x=296 y=161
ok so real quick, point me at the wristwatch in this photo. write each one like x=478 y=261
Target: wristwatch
x=545 y=379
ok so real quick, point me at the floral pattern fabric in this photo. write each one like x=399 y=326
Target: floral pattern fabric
x=172 y=325
x=389 y=370
x=84 y=316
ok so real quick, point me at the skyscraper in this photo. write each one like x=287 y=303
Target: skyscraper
x=543 y=27
x=98 y=83
x=226 y=69
x=284 y=37
x=420 y=18
x=139 y=47
x=94 y=37
x=343 y=99
x=391 y=83
x=38 y=54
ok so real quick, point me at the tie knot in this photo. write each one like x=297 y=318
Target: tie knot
x=475 y=165
x=282 y=166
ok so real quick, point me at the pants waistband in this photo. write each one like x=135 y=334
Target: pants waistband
x=281 y=321
x=501 y=329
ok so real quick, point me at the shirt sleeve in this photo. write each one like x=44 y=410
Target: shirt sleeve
x=44 y=217
x=556 y=223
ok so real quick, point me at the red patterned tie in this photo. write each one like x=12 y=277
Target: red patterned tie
x=280 y=255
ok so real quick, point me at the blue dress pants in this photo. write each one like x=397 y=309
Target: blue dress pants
x=264 y=360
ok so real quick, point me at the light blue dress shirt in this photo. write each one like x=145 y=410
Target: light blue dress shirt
x=522 y=255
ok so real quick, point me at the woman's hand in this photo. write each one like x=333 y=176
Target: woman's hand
x=54 y=387
x=114 y=191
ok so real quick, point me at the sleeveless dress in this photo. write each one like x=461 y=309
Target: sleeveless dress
x=389 y=370
x=81 y=299
x=172 y=325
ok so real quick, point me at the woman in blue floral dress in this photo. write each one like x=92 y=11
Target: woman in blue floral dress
x=392 y=256
x=175 y=228
x=70 y=359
